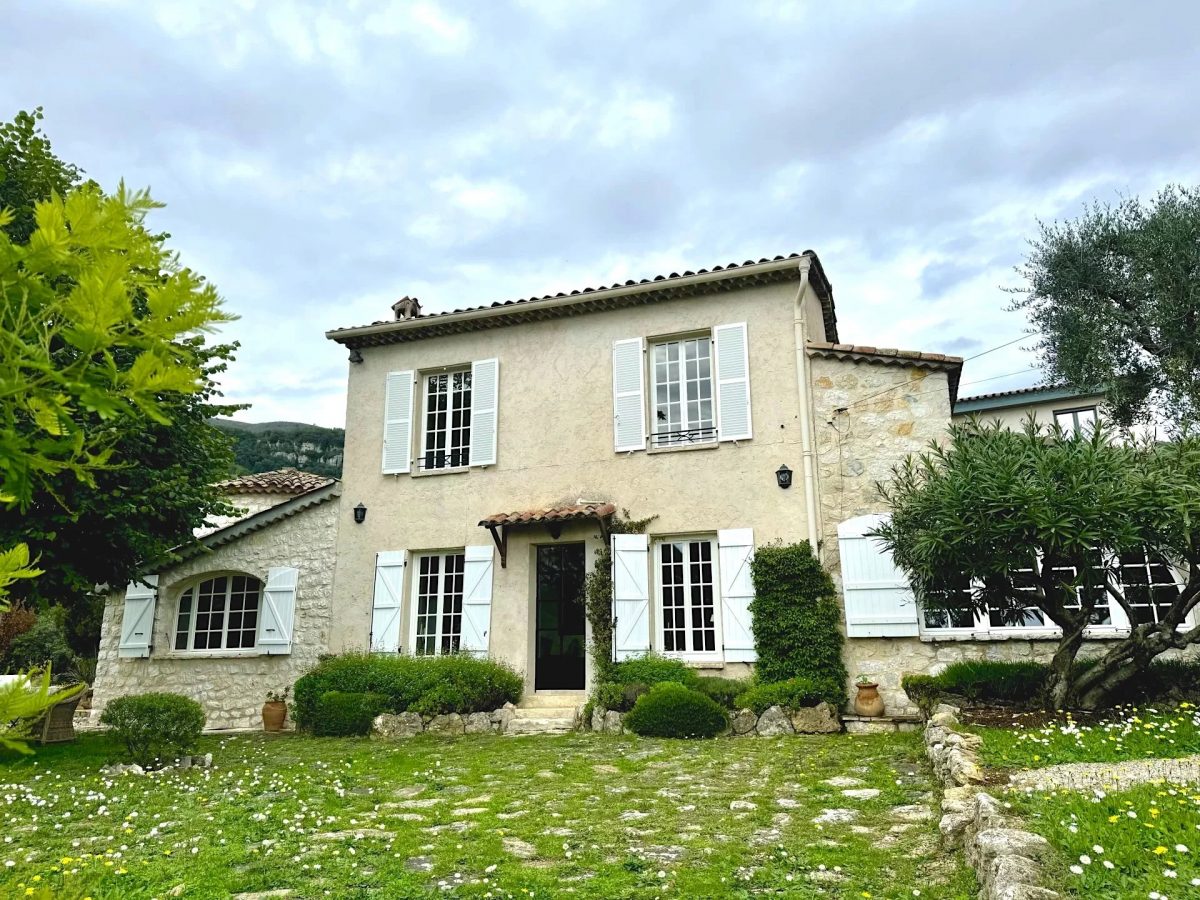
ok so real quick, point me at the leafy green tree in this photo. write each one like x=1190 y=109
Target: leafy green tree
x=999 y=522
x=126 y=467
x=1116 y=297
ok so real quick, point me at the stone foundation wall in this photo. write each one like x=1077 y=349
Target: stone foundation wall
x=774 y=721
x=231 y=686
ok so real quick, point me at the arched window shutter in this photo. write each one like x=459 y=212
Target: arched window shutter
x=879 y=600
x=277 y=617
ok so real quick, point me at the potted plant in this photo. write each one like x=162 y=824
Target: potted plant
x=868 y=702
x=274 y=711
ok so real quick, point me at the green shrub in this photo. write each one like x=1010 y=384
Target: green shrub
x=923 y=690
x=155 y=726
x=669 y=709
x=724 y=691
x=44 y=643
x=347 y=713
x=653 y=669
x=619 y=697
x=429 y=685
x=796 y=618
x=795 y=693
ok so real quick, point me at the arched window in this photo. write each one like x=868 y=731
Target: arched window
x=219 y=614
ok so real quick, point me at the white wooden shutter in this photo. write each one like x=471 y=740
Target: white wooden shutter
x=629 y=395
x=733 y=382
x=477 y=599
x=137 y=618
x=385 y=612
x=277 y=617
x=879 y=599
x=485 y=401
x=735 y=547
x=397 y=422
x=631 y=595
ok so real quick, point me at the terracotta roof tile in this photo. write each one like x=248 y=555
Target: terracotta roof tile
x=952 y=365
x=280 y=481
x=550 y=514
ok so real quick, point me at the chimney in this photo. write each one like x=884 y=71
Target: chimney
x=406 y=308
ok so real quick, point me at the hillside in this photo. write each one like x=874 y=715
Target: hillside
x=264 y=446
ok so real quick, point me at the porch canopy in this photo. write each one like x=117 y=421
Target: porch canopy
x=552 y=517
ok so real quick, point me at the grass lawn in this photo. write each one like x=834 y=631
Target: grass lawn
x=1161 y=731
x=484 y=816
x=1143 y=842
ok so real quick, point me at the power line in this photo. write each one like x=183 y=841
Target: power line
x=1002 y=346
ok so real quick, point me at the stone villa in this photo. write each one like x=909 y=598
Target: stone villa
x=487 y=452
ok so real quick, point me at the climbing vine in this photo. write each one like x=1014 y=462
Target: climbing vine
x=598 y=596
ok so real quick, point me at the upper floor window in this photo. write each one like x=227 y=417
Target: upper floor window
x=1073 y=421
x=219 y=614
x=446 y=440
x=683 y=392
x=438 y=603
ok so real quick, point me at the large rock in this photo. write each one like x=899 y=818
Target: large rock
x=477 y=723
x=390 y=726
x=1006 y=872
x=613 y=723
x=598 y=719
x=743 y=721
x=774 y=721
x=450 y=723
x=819 y=719
x=996 y=842
x=502 y=717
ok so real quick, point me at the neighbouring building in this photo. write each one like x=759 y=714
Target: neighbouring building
x=1046 y=404
x=245 y=609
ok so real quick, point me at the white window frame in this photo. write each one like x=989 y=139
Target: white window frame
x=417 y=557
x=717 y=654
x=194 y=587
x=685 y=425
x=982 y=629
x=465 y=433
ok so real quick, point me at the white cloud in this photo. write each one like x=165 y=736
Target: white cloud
x=435 y=28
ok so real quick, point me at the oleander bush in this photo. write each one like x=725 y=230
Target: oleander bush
x=795 y=693
x=671 y=710
x=796 y=619
x=347 y=713
x=724 y=691
x=429 y=685
x=154 y=727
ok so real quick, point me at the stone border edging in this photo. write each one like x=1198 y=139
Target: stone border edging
x=774 y=721
x=1110 y=776
x=390 y=726
x=1006 y=859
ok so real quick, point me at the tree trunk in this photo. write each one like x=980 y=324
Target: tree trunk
x=1060 y=686
x=1119 y=665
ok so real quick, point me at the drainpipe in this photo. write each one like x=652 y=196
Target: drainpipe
x=804 y=395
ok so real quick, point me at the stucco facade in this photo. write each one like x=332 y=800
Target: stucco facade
x=1013 y=408
x=231 y=684
x=555 y=445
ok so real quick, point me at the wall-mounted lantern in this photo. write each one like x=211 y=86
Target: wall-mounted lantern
x=783 y=475
x=360 y=514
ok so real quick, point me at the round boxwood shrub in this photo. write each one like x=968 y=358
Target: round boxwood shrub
x=723 y=690
x=653 y=669
x=795 y=693
x=672 y=710
x=154 y=727
x=346 y=713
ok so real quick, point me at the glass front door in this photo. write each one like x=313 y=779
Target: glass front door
x=560 y=642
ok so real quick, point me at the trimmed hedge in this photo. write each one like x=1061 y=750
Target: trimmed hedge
x=653 y=669
x=796 y=619
x=346 y=713
x=155 y=726
x=724 y=691
x=795 y=693
x=671 y=710
x=428 y=685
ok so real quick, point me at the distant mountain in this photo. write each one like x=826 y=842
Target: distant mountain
x=265 y=446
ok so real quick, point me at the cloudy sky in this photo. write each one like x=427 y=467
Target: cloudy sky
x=321 y=160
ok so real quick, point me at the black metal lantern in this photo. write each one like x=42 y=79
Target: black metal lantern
x=360 y=514
x=783 y=475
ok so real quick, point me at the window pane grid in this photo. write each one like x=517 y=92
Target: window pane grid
x=683 y=400
x=447 y=442
x=688 y=597
x=219 y=614
x=439 y=603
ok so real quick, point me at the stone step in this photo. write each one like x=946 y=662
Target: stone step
x=545 y=712
x=553 y=699
x=540 y=726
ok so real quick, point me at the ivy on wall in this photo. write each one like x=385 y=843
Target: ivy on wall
x=598 y=596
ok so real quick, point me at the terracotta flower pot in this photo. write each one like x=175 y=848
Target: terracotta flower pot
x=274 y=713
x=868 y=702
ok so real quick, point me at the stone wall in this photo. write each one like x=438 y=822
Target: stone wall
x=231 y=685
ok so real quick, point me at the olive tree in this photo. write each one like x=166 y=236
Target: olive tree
x=1000 y=522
